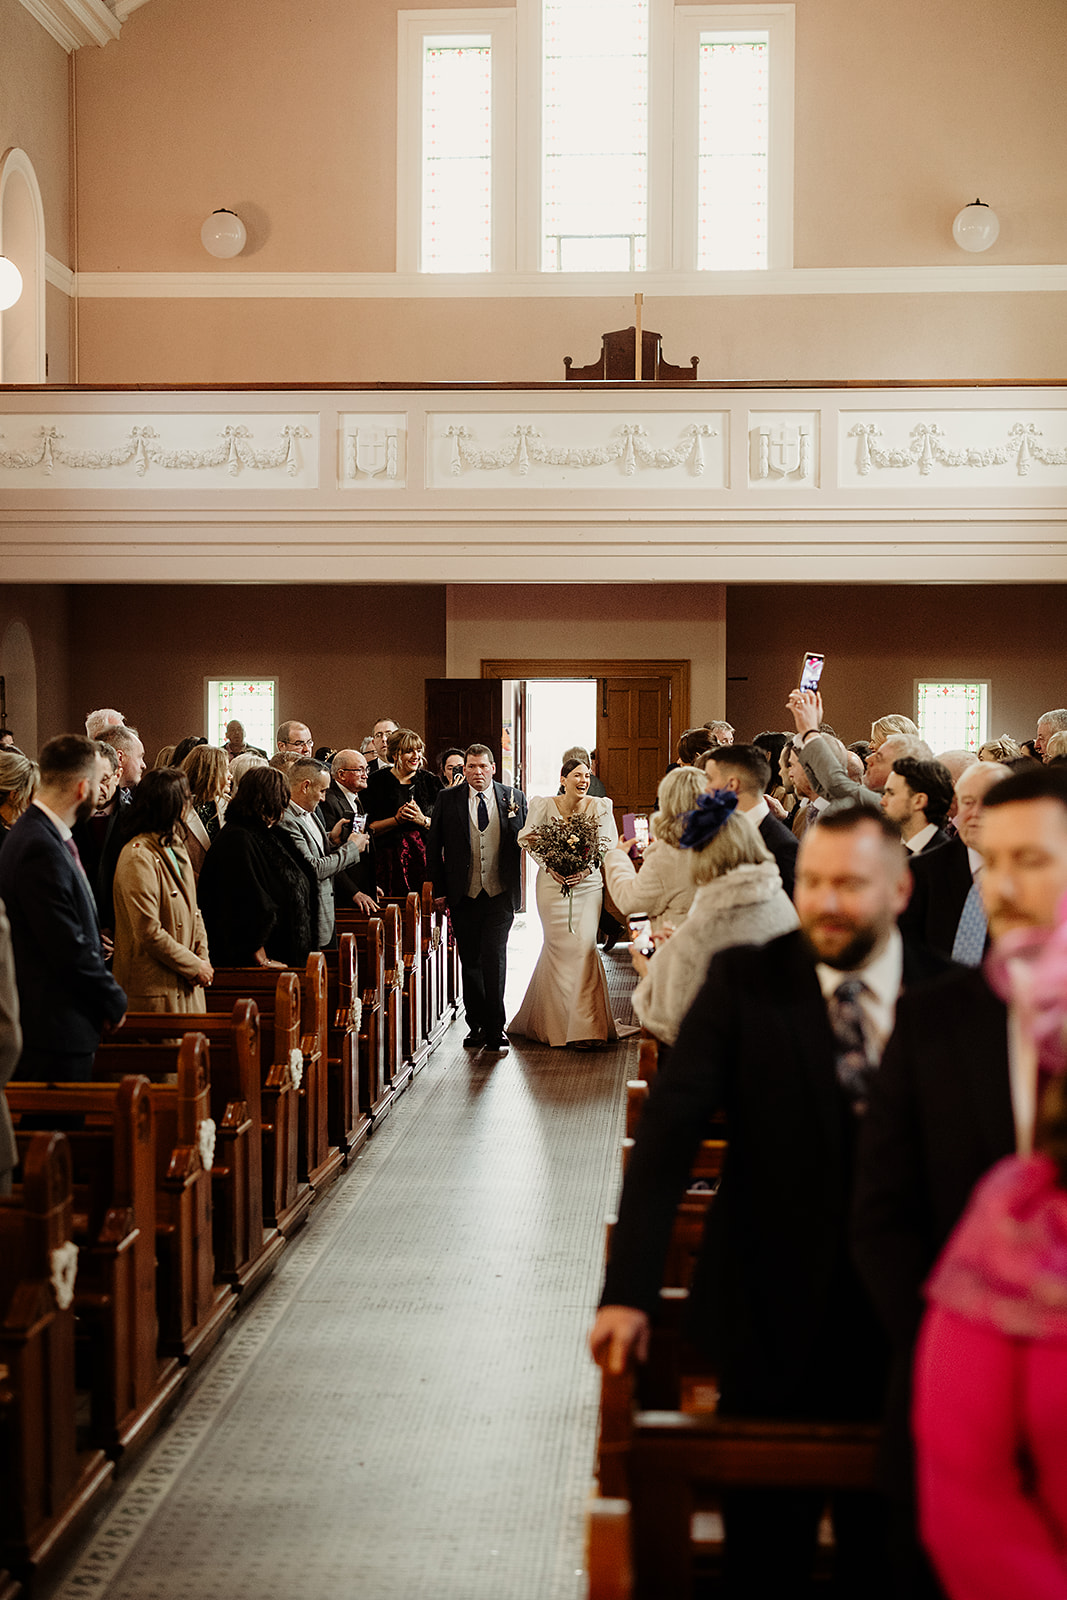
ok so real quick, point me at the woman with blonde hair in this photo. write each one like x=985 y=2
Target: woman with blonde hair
x=738 y=899
x=1002 y=749
x=208 y=772
x=664 y=888
x=892 y=722
x=18 y=781
x=245 y=762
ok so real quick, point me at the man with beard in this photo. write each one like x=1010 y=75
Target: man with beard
x=67 y=997
x=784 y=1038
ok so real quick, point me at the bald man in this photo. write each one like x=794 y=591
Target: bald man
x=343 y=802
x=945 y=911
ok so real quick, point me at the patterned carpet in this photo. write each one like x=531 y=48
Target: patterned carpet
x=407 y=1411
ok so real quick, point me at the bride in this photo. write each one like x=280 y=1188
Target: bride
x=567 y=1000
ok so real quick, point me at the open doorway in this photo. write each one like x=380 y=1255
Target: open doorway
x=560 y=712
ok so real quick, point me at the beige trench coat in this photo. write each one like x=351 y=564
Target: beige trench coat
x=159 y=933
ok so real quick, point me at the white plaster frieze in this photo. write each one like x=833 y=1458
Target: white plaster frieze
x=125 y=454
x=783 y=450
x=579 y=451
x=928 y=446
x=373 y=451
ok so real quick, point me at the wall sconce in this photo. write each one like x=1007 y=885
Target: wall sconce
x=976 y=227
x=10 y=283
x=223 y=234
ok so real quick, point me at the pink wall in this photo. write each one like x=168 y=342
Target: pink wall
x=878 y=640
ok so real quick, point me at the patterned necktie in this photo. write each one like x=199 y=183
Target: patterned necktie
x=483 y=813
x=72 y=849
x=854 y=1067
x=971 y=930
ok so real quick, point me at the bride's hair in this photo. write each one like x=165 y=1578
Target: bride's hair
x=569 y=766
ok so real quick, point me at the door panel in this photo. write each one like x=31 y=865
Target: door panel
x=463 y=711
x=633 y=740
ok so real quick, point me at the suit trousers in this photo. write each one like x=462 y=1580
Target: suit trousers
x=481 y=927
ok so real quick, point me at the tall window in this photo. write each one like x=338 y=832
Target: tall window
x=953 y=715
x=594 y=178
x=651 y=134
x=247 y=700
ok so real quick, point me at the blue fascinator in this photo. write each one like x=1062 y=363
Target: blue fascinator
x=713 y=812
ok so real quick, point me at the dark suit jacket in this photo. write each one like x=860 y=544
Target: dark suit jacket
x=66 y=993
x=448 y=847
x=941 y=882
x=359 y=878
x=935 y=842
x=939 y=1117
x=783 y=846
x=775 y=1297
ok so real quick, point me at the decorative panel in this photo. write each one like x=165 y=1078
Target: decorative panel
x=974 y=449
x=783 y=449
x=373 y=450
x=663 y=450
x=160 y=452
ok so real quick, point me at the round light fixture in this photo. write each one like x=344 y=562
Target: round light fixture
x=223 y=234
x=976 y=227
x=10 y=283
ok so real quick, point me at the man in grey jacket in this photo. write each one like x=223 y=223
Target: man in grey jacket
x=825 y=767
x=326 y=853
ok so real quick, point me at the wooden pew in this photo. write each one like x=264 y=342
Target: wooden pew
x=194 y=1310
x=375 y=1091
x=349 y=1119
x=246 y=1250
x=416 y=1043
x=47 y=1484
x=287 y=1198
x=438 y=1008
x=398 y=1071
x=113 y=1160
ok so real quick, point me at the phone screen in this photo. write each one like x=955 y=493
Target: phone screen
x=809 y=677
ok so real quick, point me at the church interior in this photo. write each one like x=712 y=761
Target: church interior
x=872 y=463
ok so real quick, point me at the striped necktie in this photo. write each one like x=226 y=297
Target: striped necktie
x=971 y=930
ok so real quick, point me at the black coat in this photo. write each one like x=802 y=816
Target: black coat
x=256 y=892
x=333 y=809
x=448 y=848
x=66 y=993
x=775 y=1299
x=941 y=882
x=783 y=846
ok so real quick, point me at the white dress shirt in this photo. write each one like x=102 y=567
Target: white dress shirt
x=920 y=840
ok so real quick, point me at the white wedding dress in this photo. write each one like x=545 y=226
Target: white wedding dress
x=567 y=999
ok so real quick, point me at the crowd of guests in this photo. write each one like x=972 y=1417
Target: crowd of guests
x=869 y=983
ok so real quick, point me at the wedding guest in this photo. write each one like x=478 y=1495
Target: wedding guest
x=295 y=737
x=161 y=950
x=743 y=768
x=1056 y=749
x=7 y=739
x=165 y=757
x=383 y=729
x=738 y=899
x=721 y=732
x=1048 y=723
x=450 y=766
x=242 y=764
x=208 y=773
x=235 y=744
x=18 y=782
x=400 y=798
x=97 y=723
x=10 y=1049
x=1003 y=750
x=256 y=894
x=664 y=888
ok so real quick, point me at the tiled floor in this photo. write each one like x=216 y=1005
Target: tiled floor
x=407 y=1411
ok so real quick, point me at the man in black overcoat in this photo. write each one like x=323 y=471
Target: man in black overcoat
x=475 y=860
x=776 y=1300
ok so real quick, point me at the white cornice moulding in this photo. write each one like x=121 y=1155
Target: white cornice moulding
x=962 y=279
x=59 y=276
x=73 y=23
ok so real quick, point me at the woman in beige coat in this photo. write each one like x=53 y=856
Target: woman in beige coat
x=161 y=954
x=664 y=888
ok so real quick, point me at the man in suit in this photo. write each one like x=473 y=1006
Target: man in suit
x=746 y=771
x=825 y=760
x=68 y=999
x=326 y=854
x=953 y=1096
x=382 y=729
x=785 y=1038
x=474 y=859
x=10 y=1049
x=343 y=802
x=945 y=911
x=918 y=796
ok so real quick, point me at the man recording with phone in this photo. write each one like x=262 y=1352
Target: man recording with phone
x=343 y=803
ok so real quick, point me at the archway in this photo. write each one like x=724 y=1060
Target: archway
x=22 y=328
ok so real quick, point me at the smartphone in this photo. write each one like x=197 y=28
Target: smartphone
x=812 y=671
x=641 y=831
x=641 y=934
x=359 y=821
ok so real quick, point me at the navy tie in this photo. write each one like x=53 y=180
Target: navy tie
x=483 y=814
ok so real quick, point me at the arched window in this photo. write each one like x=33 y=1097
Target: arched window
x=22 y=328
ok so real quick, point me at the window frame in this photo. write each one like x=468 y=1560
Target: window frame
x=985 y=714
x=210 y=679
x=414 y=29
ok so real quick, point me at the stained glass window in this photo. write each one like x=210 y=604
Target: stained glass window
x=457 y=142
x=733 y=151
x=246 y=700
x=954 y=715
x=594 y=175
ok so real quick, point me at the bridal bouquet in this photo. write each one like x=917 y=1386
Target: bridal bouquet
x=571 y=847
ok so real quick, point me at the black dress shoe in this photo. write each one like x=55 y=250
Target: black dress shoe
x=499 y=1047
x=474 y=1040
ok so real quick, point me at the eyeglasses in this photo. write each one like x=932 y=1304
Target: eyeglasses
x=298 y=744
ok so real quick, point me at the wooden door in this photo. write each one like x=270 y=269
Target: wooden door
x=633 y=740
x=463 y=711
